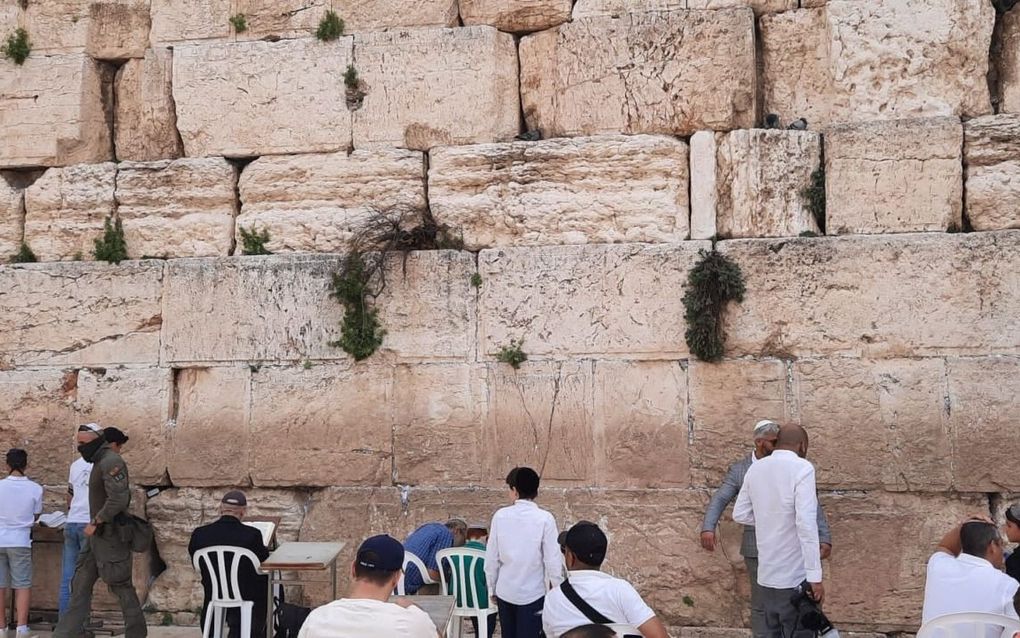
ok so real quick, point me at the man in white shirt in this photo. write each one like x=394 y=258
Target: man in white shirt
x=522 y=558
x=20 y=502
x=778 y=498
x=965 y=575
x=614 y=600
x=366 y=612
x=77 y=518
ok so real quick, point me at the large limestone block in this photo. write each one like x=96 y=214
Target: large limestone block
x=894 y=176
x=177 y=208
x=282 y=18
x=662 y=72
x=759 y=178
x=12 y=217
x=882 y=297
x=317 y=202
x=992 y=157
x=36 y=405
x=1009 y=62
x=515 y=15
x=136 y=400
x=283 y=311
x=703 y=179
x=588 y=8
x=54 y=112
x=80 y=313
x=882 y=542
x=915 y=58
x=118 y=30
x=373 y=15
x=65 y=210
x=262 y=98
x=432 y=87
x=985 y=393
x=565 y=191
x=299 y=405
x=146 y=122
x=210 y=436
x=586 y=300
x=188 y=20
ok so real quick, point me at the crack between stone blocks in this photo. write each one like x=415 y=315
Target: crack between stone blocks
x=478 y=313
x=552 y=413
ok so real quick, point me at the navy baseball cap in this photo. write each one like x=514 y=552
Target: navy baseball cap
x=381 y=553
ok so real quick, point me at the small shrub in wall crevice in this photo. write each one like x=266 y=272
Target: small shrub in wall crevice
x=330 y=28
x=239 y=22
x=111 y=247
x=512 y=354
x=17 y=47
x=24 y=255
x=253 y=242
x=712 y=283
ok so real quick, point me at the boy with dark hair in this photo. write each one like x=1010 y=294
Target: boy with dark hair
x=522 y=559
x=20 y=501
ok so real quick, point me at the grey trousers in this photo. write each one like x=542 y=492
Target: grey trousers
x=758 y=629
x=781 y=617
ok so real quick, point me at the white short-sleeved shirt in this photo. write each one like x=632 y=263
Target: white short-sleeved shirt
x=78 y=480
x=20 y=501
x=965 y=583
x=364 y=618
x=522 y=557
x=614 y=598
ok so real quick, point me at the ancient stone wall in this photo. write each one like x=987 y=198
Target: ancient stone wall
x=888 y=324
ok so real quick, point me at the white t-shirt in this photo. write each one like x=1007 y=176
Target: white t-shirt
x=364 y=618
x=612 y=597
x=78 y=479
x=20 y=501
x=965 y=583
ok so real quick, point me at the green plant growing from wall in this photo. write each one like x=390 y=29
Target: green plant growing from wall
x=712 y=283
x=111 y=247
x=814 y=196
x=330 y=28
x=476 y=280
x=253 y=242
x=17 y=47
x=512 y=354
x=24 y=255
x=361 y=334
x=351 y=77
x=239 y=22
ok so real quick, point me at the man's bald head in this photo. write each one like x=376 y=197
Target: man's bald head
x=794 y=438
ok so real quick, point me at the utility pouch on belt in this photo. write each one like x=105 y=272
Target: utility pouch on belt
x=133 y=531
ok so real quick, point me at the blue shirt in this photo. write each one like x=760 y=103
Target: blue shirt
x=425 y=542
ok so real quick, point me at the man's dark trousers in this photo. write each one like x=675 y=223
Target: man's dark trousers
x=109 y=559
x=782 y=618
x=520 y=621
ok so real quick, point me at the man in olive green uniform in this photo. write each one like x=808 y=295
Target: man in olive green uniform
x=106 y=555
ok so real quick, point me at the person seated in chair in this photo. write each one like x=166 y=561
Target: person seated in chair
x=591 y=596
x=476 y=537
x=427 y=541
x=230 y=530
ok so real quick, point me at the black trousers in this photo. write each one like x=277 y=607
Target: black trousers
x=520 y=621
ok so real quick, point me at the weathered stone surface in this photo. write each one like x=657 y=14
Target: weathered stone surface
x=894 y=176
x=53 y=112
x=105 y=29
x=432 y=87
x=1009 y=62
x=760 y=175
x=138 y=402
x=373 y=15
x=882 y=542
x=210 y=437
x=282 y=18
x=515 y=15
x=146 y=123
x=118 y=30
x=876 y=424
x=184 y=20
x=37 y=413
x=992 y=157
x=583 y=300
x=262 y=98
x=703 y=179
x=855 y=61
x=80 y=313
x=668 y=72
x=984 y=392
x=12 y=217
x=284 y=312
x=65 y=210
x=315 y=203
x=177 y=208
x=351 y=445
x=565 y=191
x=877 y=296
x=588 y=8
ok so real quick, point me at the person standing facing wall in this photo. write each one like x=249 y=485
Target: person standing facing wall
x=20 y=501
x=77 y=518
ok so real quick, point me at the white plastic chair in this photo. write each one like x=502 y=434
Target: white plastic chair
x=968 y=625
x=463 y=587
x=226 y=591
x=411 y=559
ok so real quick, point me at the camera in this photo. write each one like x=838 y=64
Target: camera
x=811 y=616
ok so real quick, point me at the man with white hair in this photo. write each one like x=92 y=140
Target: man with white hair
x=765 y=433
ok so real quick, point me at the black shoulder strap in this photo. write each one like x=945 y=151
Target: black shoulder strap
x=582 y=606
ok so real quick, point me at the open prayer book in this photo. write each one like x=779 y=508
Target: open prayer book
x=53 y=519
x=267 y=526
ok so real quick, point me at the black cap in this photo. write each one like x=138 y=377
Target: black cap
x=562 y=538
x=235 y=497
x=115 y=435
x=587 y=542
x=381 y=553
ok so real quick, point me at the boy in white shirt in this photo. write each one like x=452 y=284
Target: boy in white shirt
x=77 y=518
x=522 y=559
x=20 y=502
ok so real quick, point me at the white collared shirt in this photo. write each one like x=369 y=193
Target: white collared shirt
x=78 y=480
x=365 y=618
x=778 y=498
x=522 y=557
x=612 y=597
x=965 y=583
x=20 y=501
